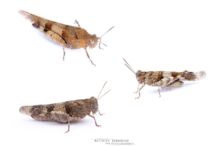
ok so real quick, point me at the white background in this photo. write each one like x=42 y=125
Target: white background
x=151 y=35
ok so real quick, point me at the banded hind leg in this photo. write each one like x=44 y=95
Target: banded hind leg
x=61 y=117
x=172 y=84
x=59 y=39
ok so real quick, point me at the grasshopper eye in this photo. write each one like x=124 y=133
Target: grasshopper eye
x=139 y=73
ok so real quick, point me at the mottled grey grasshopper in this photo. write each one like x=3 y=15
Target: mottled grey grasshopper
x=65 y=112
x=163 y=79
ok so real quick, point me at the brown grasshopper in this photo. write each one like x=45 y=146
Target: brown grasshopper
x=163 y=79
x=65 y=112
x=67 y=36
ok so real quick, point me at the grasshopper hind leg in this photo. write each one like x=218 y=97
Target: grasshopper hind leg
x=173 y=84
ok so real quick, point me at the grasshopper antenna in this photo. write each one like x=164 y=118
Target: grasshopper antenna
x=99 y=95
x=129 y=66
x=100 y=41
x=107 y=31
